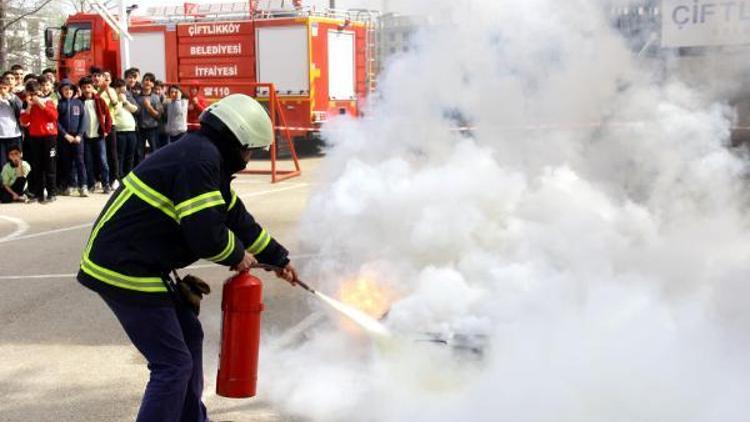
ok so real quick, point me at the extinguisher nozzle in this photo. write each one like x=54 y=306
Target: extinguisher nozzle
x=304 y=286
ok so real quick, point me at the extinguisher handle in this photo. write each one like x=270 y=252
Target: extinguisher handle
x=266 y=267
x=275 y=268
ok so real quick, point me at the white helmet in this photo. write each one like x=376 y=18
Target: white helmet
x=244 y=117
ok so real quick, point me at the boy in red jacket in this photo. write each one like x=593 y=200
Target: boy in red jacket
x=95 y=131
x=40 y=116
x=196 y=105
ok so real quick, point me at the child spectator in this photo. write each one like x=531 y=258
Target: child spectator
x=98 y=127
x=10 y=110
x=10 y=79
x=112 y=100
x=176 y=109
x=49 y=73
x=71 y=125
x=40 y=116
x=137 y=90
x=196 y=105
x=48 y=89
x=159 y=88
x=131 y=83
x=131 y=77
x=125 y=127
x=19 y=73
x=49 y=94
x=22 y=93
x=13 y=176
x=149 y=113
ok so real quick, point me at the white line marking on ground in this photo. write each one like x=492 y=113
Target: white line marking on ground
x=21 y=228
x=192 y=267
x=36 y=276
x=249 y=182
x=265 y=192
x=48 y=232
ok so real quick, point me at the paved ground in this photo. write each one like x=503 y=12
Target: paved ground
x=63 y=356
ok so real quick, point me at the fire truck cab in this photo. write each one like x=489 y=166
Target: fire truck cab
x=86 y=41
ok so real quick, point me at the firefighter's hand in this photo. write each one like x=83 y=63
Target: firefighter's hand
x=288 y=273
x=245 y=264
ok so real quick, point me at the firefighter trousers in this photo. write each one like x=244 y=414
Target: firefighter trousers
x=171 y=340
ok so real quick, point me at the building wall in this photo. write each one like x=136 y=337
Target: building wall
x=396 y=35
x=24 y=40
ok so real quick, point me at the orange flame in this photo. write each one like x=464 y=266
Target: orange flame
x=366 y=295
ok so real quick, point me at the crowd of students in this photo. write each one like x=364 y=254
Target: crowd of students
x=75 y=139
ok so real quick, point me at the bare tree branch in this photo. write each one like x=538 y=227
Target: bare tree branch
x=79 y=5
x=23 y=15
x=23 y=44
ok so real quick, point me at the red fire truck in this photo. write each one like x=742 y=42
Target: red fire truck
x=321 y=62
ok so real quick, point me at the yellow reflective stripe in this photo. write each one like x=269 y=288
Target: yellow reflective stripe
x=233 y=201
x=200 y=202
x=142 y=284
x=115 y=205
x=150 y=196
x=227 y=250
x=260 y=243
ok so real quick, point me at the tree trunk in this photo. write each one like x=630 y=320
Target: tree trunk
x=3 y=49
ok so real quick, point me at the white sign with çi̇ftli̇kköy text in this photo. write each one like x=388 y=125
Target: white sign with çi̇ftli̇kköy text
x=691 y=23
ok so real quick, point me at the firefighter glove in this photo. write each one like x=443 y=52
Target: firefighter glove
x=192 y=289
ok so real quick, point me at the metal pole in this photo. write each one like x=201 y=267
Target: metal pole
x=331 y=4
x=124 y=42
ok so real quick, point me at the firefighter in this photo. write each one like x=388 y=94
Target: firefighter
x=174 y=208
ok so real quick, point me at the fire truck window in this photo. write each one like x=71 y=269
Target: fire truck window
x=77 y=38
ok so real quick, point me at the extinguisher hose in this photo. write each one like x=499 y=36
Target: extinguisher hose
x=275 y=268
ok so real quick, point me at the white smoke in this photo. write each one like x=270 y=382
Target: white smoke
x=606 y=264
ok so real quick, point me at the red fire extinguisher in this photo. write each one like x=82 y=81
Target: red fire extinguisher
x=241 y=305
